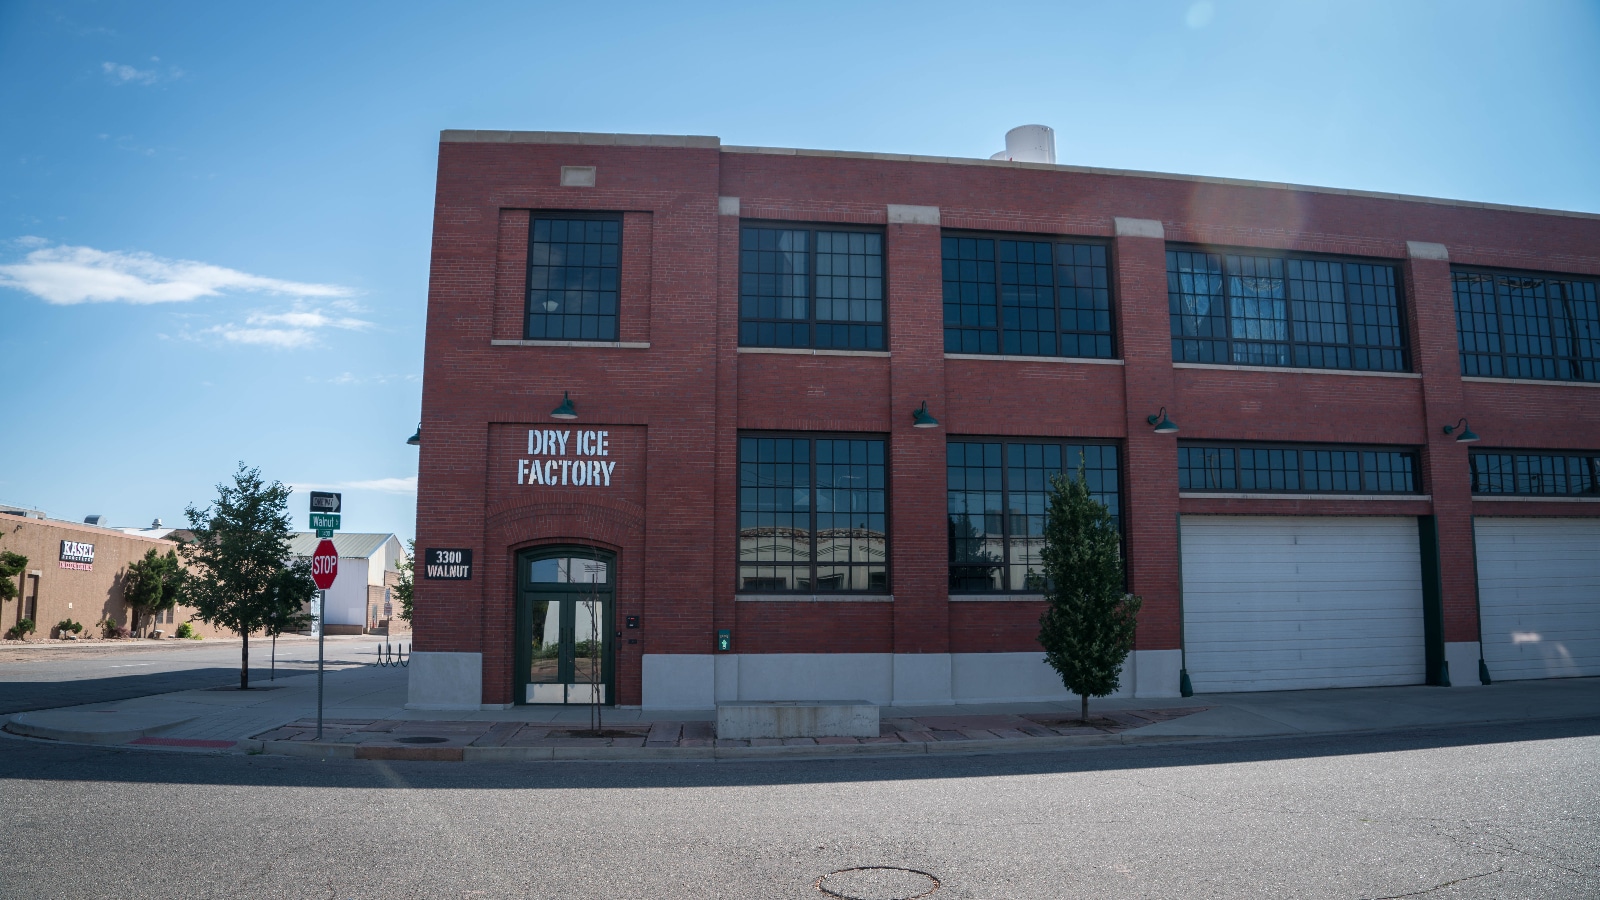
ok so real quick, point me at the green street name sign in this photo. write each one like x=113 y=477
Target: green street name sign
x=324 y=532
x=324 y=521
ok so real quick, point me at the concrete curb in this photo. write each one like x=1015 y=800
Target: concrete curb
x=663 y=754
x=29 y=725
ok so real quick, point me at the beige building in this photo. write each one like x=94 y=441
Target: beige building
x=77 y=571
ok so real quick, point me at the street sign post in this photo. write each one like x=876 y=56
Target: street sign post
x=325 y=501
x=325 y=520
x=324 y=569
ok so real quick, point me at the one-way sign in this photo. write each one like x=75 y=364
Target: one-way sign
x=324 y=502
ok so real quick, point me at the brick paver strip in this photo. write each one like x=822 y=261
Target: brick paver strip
x=837 y=740
x=498 y=734
x=799 y=742
x=183 y=742
x=766 y=742
x=664 y=733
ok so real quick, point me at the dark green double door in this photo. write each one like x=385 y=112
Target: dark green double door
x=564 y=626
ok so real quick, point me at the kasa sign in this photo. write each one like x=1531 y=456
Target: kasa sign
x=553 y=466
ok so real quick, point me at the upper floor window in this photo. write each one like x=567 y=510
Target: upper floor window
x=574 y=266
x=1259 y=310
x=1527 y=326
x=1536 y=474
x=1296 y=470
x=997 y=493
x=811 y=287
x=1026 y=297
x=813 y=514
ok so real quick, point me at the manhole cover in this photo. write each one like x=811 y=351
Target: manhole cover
x=420 y=739
x=878 y=883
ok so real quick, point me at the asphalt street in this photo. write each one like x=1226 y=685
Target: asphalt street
x=1472 y=812
x=50 y=677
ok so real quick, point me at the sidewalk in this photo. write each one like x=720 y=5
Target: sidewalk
x=365 y=718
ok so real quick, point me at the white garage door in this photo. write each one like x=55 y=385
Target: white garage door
x=1272 y=604
x=1539 y=596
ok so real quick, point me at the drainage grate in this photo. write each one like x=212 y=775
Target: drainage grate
x=878 y=883
x=420 y=739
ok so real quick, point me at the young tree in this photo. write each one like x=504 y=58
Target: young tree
x=238 y=557
x=406 y=565
x=291 y=591
x=152 y=585
x=1087 y=630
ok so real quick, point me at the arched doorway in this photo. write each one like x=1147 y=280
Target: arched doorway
x=564 y=626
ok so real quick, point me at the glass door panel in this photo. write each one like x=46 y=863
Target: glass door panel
x=564 y=623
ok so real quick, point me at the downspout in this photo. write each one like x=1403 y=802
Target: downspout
x=1185 y=686
x=1477 y=605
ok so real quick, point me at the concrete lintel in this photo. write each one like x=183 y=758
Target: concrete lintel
x=1425 y=250
x=577 y=176
x=1145 y=228
x=727 y=206
x=913 y=215
x=468 y=136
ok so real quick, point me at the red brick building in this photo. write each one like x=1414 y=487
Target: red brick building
x=809 y=400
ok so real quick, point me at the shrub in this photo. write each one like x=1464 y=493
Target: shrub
x=21 y=630
x=66 y=625
x=186 y=631
x=112 y=629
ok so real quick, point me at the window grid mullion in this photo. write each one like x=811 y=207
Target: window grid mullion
x=1005 y=515
x=811 y=456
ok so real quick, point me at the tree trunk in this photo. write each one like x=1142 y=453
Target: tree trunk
x=244 y=662
x=1085 y=699
x=137 y=618
x=274 y=676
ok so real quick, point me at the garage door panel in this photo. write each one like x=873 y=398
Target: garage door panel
x=1539 y=596
x=1279 y=603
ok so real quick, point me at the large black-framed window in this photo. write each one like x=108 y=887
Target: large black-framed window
x=1536 y=474
x=813 y=513
x=1263 y=309
x=574 y=276
x=1297 y=469
x=1522 y=325
x=1024 y=296
x=811 y=286
x=997 y=492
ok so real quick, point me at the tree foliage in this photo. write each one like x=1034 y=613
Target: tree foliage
x=291 y=592
x=11 y=565
x=403 y=589
x=240 y=576
x=1087 y=630
x=152 y=586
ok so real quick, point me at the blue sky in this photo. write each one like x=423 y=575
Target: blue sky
x=214 y=218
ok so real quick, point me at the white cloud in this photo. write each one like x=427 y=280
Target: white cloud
x=65 y=275
x=407 y=485
x=286 y=330
x=122 y=73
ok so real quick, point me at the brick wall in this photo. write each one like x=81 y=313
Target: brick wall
x=684 y=400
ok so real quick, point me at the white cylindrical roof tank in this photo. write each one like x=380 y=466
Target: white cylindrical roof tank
x=1001 y=155
x=1031 y=143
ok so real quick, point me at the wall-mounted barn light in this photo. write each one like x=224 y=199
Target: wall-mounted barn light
x=921 y=418
x=565 y=410
x=1466 y=436
x=1163 y=424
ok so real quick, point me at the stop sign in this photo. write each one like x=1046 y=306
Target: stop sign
x=325 y=565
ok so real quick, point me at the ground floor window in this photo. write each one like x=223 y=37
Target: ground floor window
x=997 y=494
x=813 y=514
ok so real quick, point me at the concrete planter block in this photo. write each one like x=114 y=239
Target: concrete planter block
x=793 y=719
